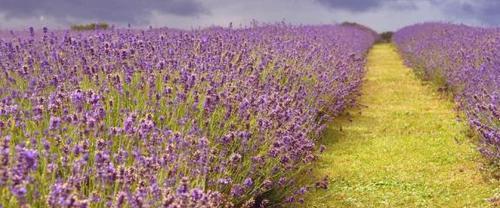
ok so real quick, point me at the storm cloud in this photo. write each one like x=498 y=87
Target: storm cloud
x=353 y=5
x=380 y=14
x=131 y=11
x=366 y=5
x=487 y=11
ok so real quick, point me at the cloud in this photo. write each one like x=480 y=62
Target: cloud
x=354 y=5
x=366 y=5
x=119 y=11
x=379 y=14
x=487 y=12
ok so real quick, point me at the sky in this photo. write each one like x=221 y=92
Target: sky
x=381 y=15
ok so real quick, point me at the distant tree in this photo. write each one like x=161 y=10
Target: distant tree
x=91 y=26
x=354 y=24
x=385 y=37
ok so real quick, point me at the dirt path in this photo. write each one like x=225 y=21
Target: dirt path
x=404 y=148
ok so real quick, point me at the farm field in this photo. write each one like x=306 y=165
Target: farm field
x=465 y=61
x=249 y=103
x=267 y=115
x=205 y=118
x=402 y=147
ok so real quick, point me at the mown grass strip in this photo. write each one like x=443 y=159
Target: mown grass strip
x=405 y=147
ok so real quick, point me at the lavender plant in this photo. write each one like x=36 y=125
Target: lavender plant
x=147 y=118
x=465 y=60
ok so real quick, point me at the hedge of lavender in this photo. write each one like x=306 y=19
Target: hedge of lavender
x=161 y=117
x=465 y=60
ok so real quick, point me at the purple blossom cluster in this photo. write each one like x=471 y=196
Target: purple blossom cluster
x=217 y=117
x=465 y=60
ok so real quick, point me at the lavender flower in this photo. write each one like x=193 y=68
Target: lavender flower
x=163 y=117
x=54 y=123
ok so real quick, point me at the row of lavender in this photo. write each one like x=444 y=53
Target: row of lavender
x=205 y=118
x=467 y=61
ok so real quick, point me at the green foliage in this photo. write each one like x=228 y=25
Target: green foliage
x=385 y=37
x=91 y=26
x=354 y=24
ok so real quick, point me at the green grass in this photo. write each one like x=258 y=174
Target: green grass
x=403 y=148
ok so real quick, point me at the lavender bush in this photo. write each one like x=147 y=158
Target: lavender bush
x=465 y=60
x=217 y=117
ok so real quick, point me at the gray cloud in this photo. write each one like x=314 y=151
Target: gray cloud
x=379 y=14
x=488 y=11
x=122 y=11
x=366 y=5
x=353 y=5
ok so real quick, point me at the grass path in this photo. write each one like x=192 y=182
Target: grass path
x=403 y=148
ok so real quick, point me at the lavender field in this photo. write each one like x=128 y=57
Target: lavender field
x=217 y=117
x=466 y=61
x=311 y=113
